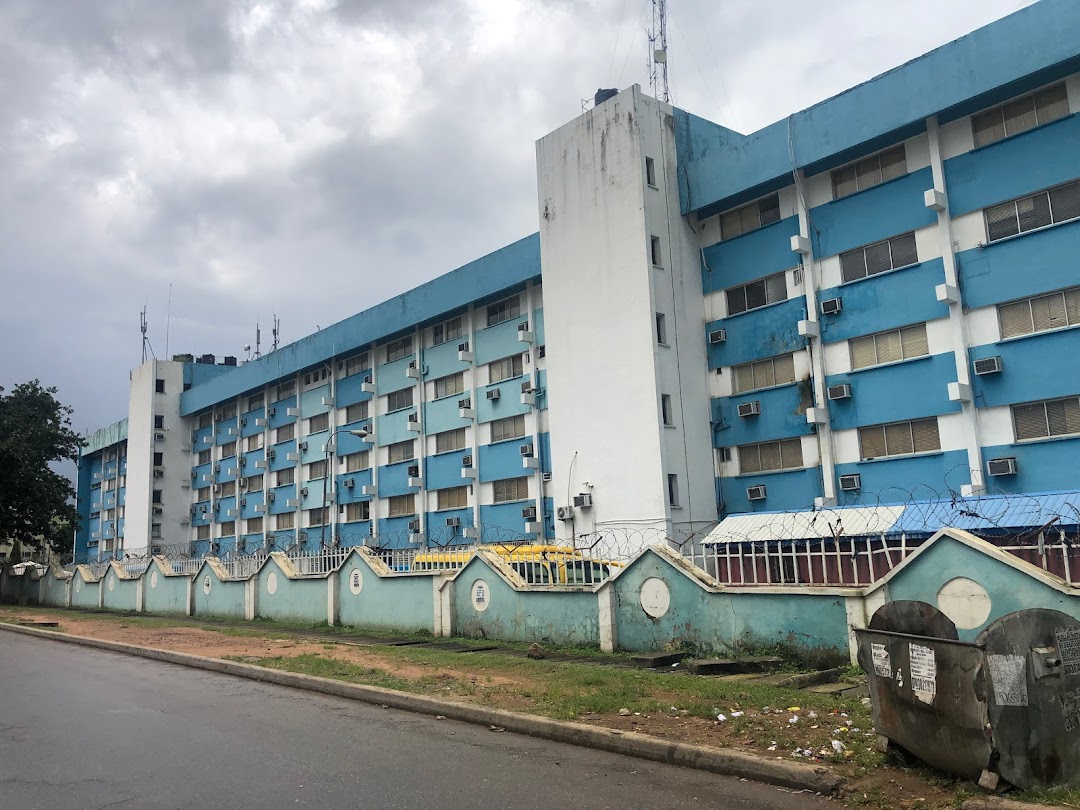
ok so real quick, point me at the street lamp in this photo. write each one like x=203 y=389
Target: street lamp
x=363 y=433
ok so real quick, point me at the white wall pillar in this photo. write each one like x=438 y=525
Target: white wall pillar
x=332 y=597
x=606 y=611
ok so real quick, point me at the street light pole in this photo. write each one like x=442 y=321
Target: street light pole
x=328 y=449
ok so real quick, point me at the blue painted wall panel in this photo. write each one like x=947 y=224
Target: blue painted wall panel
x=1035 y=263
x=282 y=451
x=391 y=428
x=496 y=342
x=750 y=256
x=360 y=479
x=1033 y=368
x=909 y=390
x=1048 y=465
x=787 y=490
x=508 y=403
x=442 y=360
x=252 y=501
x=346 y=443
x=224 y=506
x=391 y=377
x=869 y=216
x=1033 y=160
x=394 y=479
x=542 y=394
x=444 y=470
x=249 y=461
x=759 y=333
x=311 y=401
x=282 y=496
x=502 y=460
x=227 y=470
x=227 y=431
x=349 y=390
x=898 y=480
x=280 y=415
x=356 y=533
x=313 y=447
x=442 y=414
x=440 y=535
x=503 y=521
x=248 y=426
x=885 y=301
x=782 y=416
x=394 y=532
x=538 y=326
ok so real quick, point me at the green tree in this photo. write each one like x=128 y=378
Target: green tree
x=35 y=436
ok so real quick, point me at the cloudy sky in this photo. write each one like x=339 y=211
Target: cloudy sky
x=310 y=158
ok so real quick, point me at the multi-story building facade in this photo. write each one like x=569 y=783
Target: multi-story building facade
x=873 y=300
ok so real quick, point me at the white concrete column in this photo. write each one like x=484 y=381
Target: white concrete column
x=332 y=596
x=140 y=593
x=606 y=612
x=251 y=599
x=444 y=593
x=189 y=604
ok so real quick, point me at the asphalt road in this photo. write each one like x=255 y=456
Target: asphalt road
x=83 y=728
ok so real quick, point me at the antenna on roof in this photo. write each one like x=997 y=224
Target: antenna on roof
x=658 y=72
x=276 y=330
x=145 y=340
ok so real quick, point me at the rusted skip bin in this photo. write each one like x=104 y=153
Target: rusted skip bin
x=1007 y=704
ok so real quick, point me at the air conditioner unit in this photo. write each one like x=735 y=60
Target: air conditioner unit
x=302 y=445
x=494 y=393
x=159 y=437
x=271 y=497
x=157 y=510
x=367 y=386
x=243 y=421
x=412 y=371
x=850 y=483
x=565 y=513
x=217 y=487
x=1002 y=466
x=303 y=491
x=547 y=478
x=242 y=484
x=159 y=473
x=348 y=483
x=260 y=422
x=832 y=306
x=414 y=525
x=217 y=468
x=988 y=365
x=292 y=411
x=466 y=461
x=524 y=334
x=756 y=493
x=271 y=411
x=414 y=417
x=541 y=351
x=526 y=449
x=328 y=402
x=463 y=347
x=583 y=501
x=453 y=521
x=243 y=501
x=718 y=336
x=464 y=403
x=464 y=353
x=749 y=408
x=842 y=391
x=414 y=471
x=529 y=513
x=270 y=454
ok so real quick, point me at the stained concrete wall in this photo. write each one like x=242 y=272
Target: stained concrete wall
x=289 y=600
x=213 y=596
x=119 y=594
x=165 y=593
x=389 y=601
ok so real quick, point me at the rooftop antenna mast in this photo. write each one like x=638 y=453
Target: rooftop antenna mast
x=658 y=65
x=145 y=340
x=276 y=330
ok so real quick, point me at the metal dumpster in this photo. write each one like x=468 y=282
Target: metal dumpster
x=1006 y=705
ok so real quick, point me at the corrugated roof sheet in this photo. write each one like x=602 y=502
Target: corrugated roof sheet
x=848 y=521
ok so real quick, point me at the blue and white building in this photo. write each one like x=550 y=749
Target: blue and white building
x=871 y=301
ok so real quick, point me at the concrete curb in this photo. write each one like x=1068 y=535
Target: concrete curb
x=715 y=760
x=998 y=803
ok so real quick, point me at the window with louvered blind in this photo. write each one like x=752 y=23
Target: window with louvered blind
x=880 y=257
x=769 y=456
x=869 y=172
x=1041 y=420
x=889 y=347
x=750 y=217
x=1040 y=314
x=757 y=294
x=1020 y=115
x=899 y=439
x=1059 y=204
x=453 y=498
x=764 y=373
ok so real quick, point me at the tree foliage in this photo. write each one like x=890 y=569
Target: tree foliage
x=35 y=435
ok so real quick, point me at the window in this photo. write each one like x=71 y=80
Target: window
x=316 y=517
x=110 y=485
x=449 y=385
x=1041 y=420
x=1040 y=314
x=672 y=489
x=316 y=376
x=227 y=412
x=453 y=498
x=357 y=412
x=317 y=424
x=204 y=456
x=286 y=432
x=505 y=369
x=1037 y=211
x=254 y=483
x=399 y=400
x=1020 y=115
x=397 y=349
x=155 y=496
x=451 y=440
x=285 y=477
x=880 y=257
x=401 y=505
x=159 y=459
x=445 y=332
x=764 y=373
x=767 y=456
x=316 y=469
x=750 y=217
x=504 y=310
x=665 y=409
x=512 y=427
x=650 y=172
x=357 y=461
x=159 y=385
x=355 y=364
x=202 y=532
x=252 y=443
x=228 y=449
x=869 y=172
x=254 y=525
x=228 y=489
x=228 y=528
x=511 y=489
x=202 y=494
x=255 y=402
x=661 y=328
x=401 y=451
x=899 y=439
x=286 y=390
x=889 y=347
x=361 y=510
x=757 y=294
x=286 y=520
x=654 y=251
x=205 y=420
x=159 y=422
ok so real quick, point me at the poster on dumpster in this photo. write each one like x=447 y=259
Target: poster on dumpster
x=923 y=672
x=1008 y=674
x=882 y=663
x=1068 y=642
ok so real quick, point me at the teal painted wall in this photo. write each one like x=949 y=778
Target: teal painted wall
x=392 y=603
x=226 y=597
x=294 y=600
x=559 y=617
x=83 y=594
x=55 y=593
x=123 y=593
x=165 y=594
